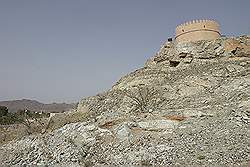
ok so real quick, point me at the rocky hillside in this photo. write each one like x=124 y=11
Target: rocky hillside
x=33 y=105
x=188 y=106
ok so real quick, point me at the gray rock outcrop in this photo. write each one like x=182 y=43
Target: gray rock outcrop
x=188 y=106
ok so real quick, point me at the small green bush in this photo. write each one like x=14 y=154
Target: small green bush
x=201 y=157
x=20 y=117
x=8 y=119
x=3 y=111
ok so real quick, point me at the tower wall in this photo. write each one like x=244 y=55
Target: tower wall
x=197 y=30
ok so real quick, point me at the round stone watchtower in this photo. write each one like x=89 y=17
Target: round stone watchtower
x=197 y=30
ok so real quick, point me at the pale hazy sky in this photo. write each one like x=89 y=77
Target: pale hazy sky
x=64 y=50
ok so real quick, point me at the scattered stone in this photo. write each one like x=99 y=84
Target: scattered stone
x=154 y=125
x=123 y=133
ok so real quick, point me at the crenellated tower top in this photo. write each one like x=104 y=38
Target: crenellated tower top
x=197 y=30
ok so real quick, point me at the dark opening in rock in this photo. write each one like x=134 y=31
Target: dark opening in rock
x=234 y=51
x=183 y=55
x=174 y=63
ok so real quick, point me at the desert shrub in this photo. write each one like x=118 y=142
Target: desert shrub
x=201 y=157
x=21 y=123
x=144 y=98
x=33 y=121
x=8 y=119
x=3 y=111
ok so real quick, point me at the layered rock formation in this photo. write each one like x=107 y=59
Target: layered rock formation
x=188 y=106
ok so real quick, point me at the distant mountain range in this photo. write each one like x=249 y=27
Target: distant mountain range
x=33 y=105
